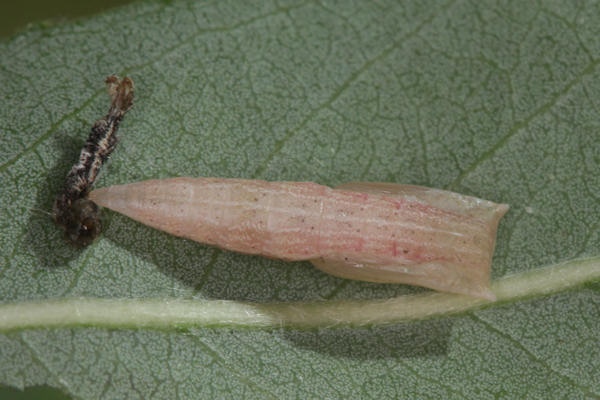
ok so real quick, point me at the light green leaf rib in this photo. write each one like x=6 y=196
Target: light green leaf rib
x=176 y=313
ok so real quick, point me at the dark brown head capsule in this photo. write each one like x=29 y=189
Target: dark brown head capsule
x=81 y=221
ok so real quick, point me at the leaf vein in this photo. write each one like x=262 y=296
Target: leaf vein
x=533 y=357
x=518 y=126
x=345 y=85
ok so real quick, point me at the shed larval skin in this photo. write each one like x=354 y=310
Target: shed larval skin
x=366 y=231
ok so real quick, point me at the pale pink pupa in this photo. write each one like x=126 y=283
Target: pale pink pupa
x=376 y=232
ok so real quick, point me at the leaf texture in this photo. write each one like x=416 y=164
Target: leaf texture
x=494 y=100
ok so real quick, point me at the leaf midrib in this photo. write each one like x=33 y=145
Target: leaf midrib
x=175 y=313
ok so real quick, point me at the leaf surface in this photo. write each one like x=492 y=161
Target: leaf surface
x=499 y=101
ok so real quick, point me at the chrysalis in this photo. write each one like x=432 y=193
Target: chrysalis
x=78 y=216
x=378 y=232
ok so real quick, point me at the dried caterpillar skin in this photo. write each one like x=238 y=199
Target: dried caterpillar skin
x=376 y=232
x=78 y=216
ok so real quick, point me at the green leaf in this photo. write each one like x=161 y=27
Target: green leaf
x=493 y=100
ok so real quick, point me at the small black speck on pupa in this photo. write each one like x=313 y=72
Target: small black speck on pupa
x=78 y=216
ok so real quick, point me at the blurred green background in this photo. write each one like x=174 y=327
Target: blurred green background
x=15 y=16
